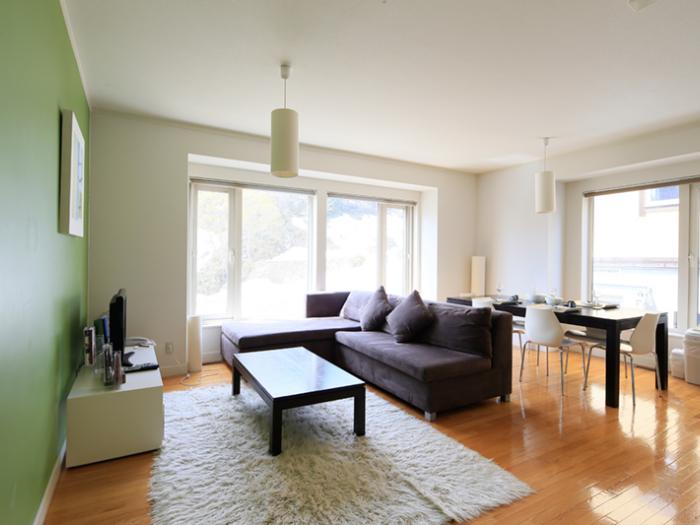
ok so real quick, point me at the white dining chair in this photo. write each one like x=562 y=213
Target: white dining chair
x=544 y=329
x=487 y=302
x=641 y=342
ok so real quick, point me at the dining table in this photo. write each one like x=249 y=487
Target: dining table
x=614 y=321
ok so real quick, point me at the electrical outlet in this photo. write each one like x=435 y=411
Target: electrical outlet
x=169 y=348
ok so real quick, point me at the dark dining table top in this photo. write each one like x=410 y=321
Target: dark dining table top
x=623 y=317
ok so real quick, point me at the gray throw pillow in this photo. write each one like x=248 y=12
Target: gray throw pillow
x=409 y=318
x=354 y=304
x=374 y=313
x=460 y=328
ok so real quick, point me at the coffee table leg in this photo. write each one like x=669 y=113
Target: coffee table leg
x=359 y=424
x=236 y=382
x=276 y=430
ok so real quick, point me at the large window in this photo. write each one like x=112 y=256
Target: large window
x=255 y=255
x=251 y=252
x=274 y=253
x=368 y=243
x=352 y=244
x=212 y=249
x=636 y=249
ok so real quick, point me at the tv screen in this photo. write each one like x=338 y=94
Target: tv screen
x=117 y=320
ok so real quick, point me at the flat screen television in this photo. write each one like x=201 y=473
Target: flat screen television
x=117 y=323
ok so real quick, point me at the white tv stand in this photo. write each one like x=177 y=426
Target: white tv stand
x=107 y=422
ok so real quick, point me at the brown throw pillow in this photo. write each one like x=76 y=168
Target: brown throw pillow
x=374 y=313
x=409 y=318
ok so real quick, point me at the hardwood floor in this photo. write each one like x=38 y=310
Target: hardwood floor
x=588 y=463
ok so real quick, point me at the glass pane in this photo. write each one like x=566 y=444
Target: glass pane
x=351 y=244
x=396 y=261
x=274 y=254
x=635 y=250
x=212 y=252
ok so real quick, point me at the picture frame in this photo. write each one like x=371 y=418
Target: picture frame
x=72 y=190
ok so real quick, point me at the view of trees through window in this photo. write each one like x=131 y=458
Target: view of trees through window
x=212 y=252
x=254 y=249
x=396 y=262
x=635 y=249
x=352 y=244
x=274 y=253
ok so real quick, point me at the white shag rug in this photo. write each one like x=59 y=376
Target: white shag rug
x=214 y=467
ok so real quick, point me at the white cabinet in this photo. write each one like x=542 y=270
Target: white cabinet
x=109 y=422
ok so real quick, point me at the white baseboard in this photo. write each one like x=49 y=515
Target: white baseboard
x=50 y=487
x=211 y=357
x=175 y=370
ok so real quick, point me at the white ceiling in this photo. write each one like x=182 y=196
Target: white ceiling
x=465 y=84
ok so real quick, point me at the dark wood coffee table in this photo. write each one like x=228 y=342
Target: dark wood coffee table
x=294 y=377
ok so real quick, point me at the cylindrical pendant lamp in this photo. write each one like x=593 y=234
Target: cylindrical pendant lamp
x=285 y=143
x=545 y=187
x=545 y=192
x=284 y=136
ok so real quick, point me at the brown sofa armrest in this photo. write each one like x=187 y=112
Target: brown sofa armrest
x=325 y=304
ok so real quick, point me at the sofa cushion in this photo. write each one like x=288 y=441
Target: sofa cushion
x=460 y=328
x=373 y=315
x=409 y=318
x=356 y=301
x=256 y=334
x=423 y=362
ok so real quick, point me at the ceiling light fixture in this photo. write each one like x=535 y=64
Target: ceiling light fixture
x=545 y=188
x=638 y=5
x=284 y=137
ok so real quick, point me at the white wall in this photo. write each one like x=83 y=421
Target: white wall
x=523 y=248
x=138 y=214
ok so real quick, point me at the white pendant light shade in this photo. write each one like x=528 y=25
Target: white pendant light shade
x=285 y=143
x=545 y=192
x=545 y=187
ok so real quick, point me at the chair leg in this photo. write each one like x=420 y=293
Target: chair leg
x=658 y=372
x=546 y=359
x=566 y=365
x=634 y=390
x=561 y=369
x=588 y=368
x=624 y=360
x=522 y=361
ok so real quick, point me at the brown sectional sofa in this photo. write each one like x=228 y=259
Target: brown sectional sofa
x=456 y=362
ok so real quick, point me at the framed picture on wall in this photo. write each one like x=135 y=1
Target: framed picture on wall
x=72 y=201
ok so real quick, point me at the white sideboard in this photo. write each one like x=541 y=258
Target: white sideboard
x=106 y=422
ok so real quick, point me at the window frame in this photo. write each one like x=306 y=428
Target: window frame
x=687 y=293
x=383 y=205
x=233 y=269
x=317 y=239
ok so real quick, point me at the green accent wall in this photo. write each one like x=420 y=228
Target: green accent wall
x=43 y=273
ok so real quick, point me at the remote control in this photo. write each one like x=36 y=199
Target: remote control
x=142 y=366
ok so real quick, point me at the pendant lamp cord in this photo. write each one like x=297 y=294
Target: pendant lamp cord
x=285 y=93
x=546 y=142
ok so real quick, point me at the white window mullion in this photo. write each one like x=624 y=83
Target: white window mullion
x=192 y=247
x=408 y=254
x=319 y=241
x=235 y=255
x=692 y=259
x=381 y=244
x=685 y=293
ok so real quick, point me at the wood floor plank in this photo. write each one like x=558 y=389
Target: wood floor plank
x=587 y=462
